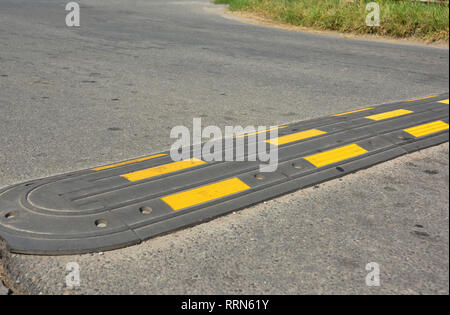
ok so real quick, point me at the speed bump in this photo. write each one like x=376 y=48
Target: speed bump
x=125 y=203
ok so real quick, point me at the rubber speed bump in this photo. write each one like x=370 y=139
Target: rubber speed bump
x=125 y=203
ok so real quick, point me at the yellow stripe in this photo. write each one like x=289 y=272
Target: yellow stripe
x=426 y=129
x=296 y=137
x=354 y=111
x=204 y=194
x=258 y=132
x=162 y=169
x=128 y=162
x=444 y=101
x=391 y=114
x=422 y=98
x=335 y=155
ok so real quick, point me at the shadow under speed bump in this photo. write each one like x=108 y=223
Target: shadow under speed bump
x=122 y=204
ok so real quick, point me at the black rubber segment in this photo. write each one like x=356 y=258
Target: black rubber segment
x=99 y=209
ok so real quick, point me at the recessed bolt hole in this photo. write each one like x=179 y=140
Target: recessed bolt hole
x=296 y=165
x=259 y=176
x=11 y=215
x=146 y=210
x=420 y=226
x=340 y=169
x=101 y=223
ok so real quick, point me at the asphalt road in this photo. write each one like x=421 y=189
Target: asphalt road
x=73 y=98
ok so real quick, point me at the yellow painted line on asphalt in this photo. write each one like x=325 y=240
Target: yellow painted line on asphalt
x=335 y=155
x=444 y=101
x=296 y=137
x=354 y=111
x=162 y=169
x=206 y=193
x=258 y=132
x=128 y=162
x=426 y=129
x=391 y=114
x=422 y=98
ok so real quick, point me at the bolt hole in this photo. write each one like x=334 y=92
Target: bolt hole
x=259 y=176
x=296 y=165
x=420 y=226
x=101 y=223
x=146 y=210
x=11 y=215
x=340 y=169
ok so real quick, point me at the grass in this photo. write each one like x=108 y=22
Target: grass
x=399 y=19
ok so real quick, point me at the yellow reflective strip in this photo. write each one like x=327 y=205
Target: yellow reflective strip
x=258 y=132
x=426 y=129
x=162 y=169
x=128 y=162
x=206 y=193
x=422 y=98
x=335 y=155
x=391 y=114
x=296 y=137
x=353 y=111
x=444 y=101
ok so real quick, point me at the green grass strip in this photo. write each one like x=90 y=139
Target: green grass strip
x=399 y=19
